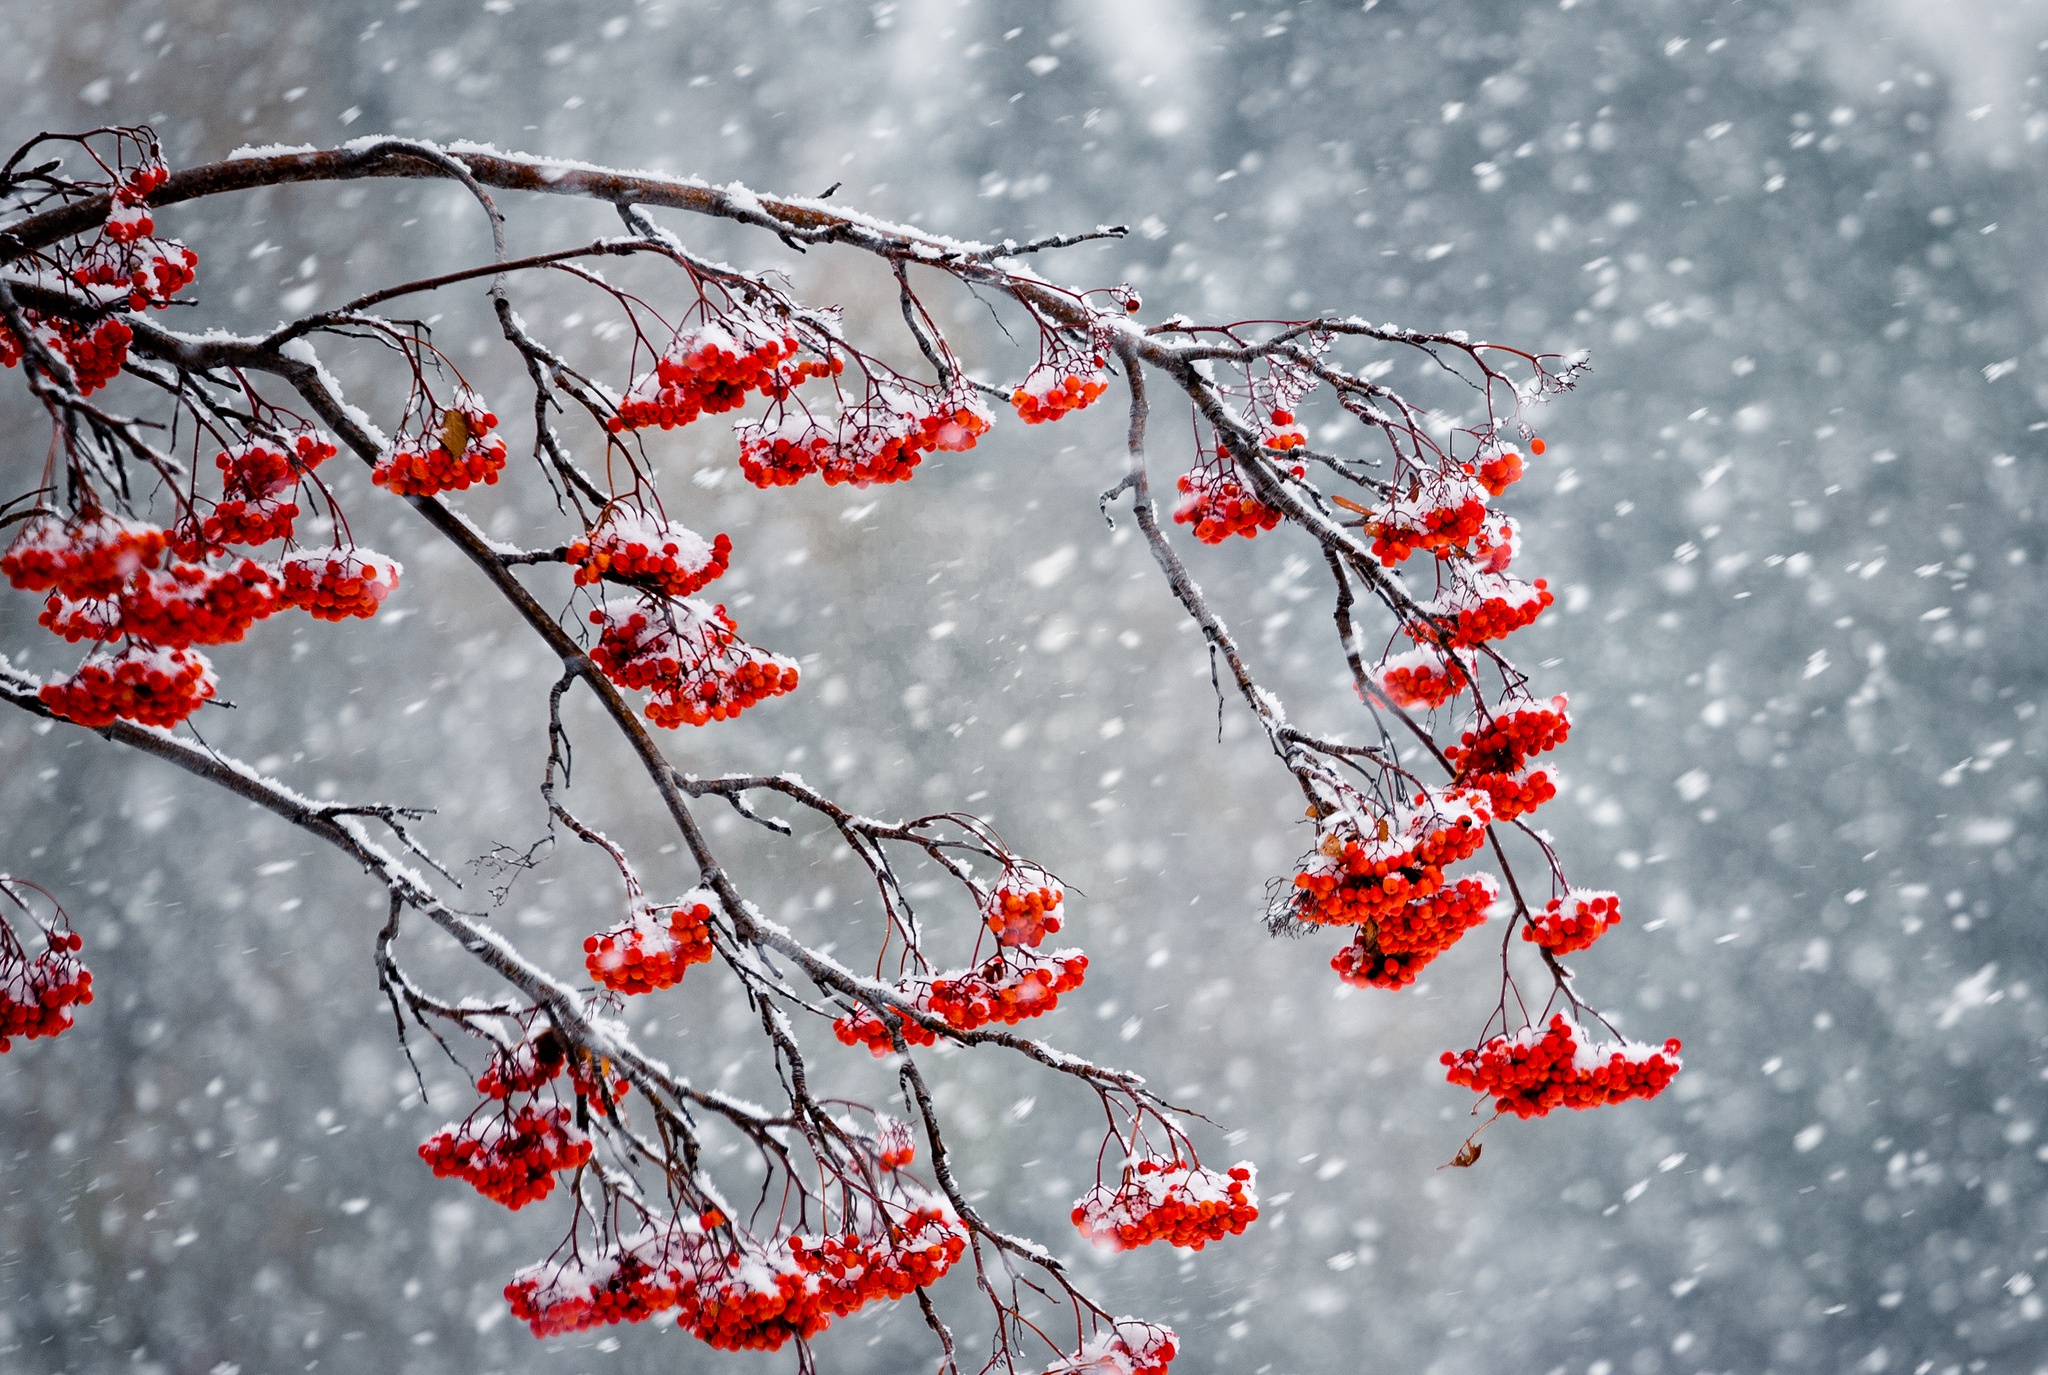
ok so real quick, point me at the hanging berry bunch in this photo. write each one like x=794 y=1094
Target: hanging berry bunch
x=688 y=657
x=456 y=451
x=652 y=949
x=632 y=546
x=42 y=981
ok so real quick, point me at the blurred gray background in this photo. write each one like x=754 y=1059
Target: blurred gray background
x=1793 y=515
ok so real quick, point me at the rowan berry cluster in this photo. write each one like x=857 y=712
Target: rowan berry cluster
x=1171 y=1200
x=1052 y=390
x=634 y=546
x=525 y=1069
x=1574 y=921
x=1444 y=527
x=646 y=954
x=1129 y=1347
x=1284 y=433
x=688 y=657
x=1539 y=1069
x=1009 y=988
x=1021 y=908
x=1513 y=795
x=1391 y=951
x=1425 y=678
x=89 y=555
x=257 y=478
x=1219 y=503
x=1500 y=468
x=94 y=354
x=338 y=583
x=37 y=996
x=509 y=1157
x=1480 y=607
x=710 y=369
x=184 y=605
x=1356 y=876
x=449 y=457
x=852 y=1270
x=881 y=440
x=1503 y=744
x=128 y=217
x=876 y=1030
x=738 y=1294
x=148 y=684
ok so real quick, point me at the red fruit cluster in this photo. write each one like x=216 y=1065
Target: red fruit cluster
x=1130 y=1347
x=149 y=684
x=463 y=452
x=510 y=1158
x=1515 y=795
x=149 y=280
x=1390 y=952
x=632 y=546
x=1490 y=606
x=524 y=1070
x=95 y=354
x=644 y=955
x=128 y=218
x=1284 y=432
x=1008 y=989
x=1351 y=879
x=1443 y=530
x=1508 y=741
x=338 y=583
x=1050 y=392
x=1021 y=908
x=710 y=370
x=881 y=440
x=1173 y=1201
x=895 y=1147
x=37 y=996
x=852 y=1270
x=1573 y=921
x=688 y=657
x=1423 y=678
x=1219 y=504
x=866 y=1027
x=576 y=1297
x=184 y=605
x=1534 y=1071
x=90 y=555
x=1498 y=471
x=255 y=507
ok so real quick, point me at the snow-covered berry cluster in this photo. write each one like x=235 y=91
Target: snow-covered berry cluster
x=710 y=369
x=882 y=439
x=1368 y=870
x=1516 y=733
x=258 y=477
x=1539 y=1069
x=451 y=456
x=1009 y=988
x=688 y=657
x=509 y=1157
x=1479 y=607
x=1425 y=677
x=1022 y=908
x=634 y=546
x=1390 y=951
x=652 y=950
x=736 y=1293
x=336 y=584
x=89 y=555
x=1055 y=389
x=1574 y=921
x=147 y=684
x=39 y=993
x=1171 y=1200
x=1128 y=1347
